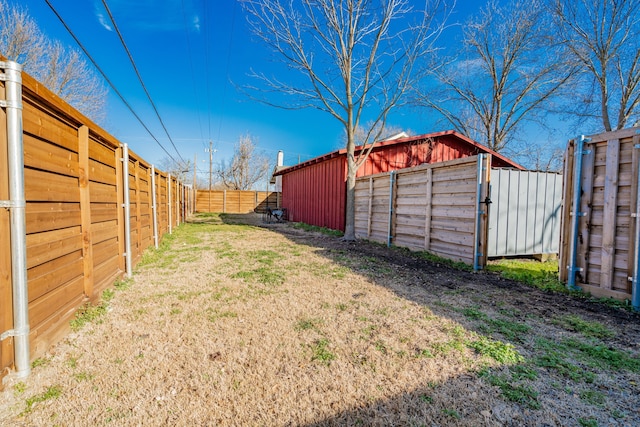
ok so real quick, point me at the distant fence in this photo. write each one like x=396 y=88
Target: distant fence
x=75 y=211
x=434 y=207
x=601 y=216
x=524 y=216
x=236 y=201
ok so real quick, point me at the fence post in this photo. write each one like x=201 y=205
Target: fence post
x=16 y=204
x=169 y=202
x=392 y=181
x=127 y=209
x=154 y=206
x=85 y=209
x=370 y=214
x=482 y=214
x=575 y=213
x=428 y=210
x=635 y=285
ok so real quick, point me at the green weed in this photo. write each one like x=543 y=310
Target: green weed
x=542 y=275
x=593 y=397
x=497 y=350
x=52 y=392
x=307 y=324
x=321 y=353
x=451 y=413
x=588 y=422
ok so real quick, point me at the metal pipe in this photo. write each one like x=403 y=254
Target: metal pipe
x=127 y=209
x=575 y=214
x=392 y=179
x=15 y=152
x=477 y=225
x=154 y=206
x=635 y=290
x=169 y=201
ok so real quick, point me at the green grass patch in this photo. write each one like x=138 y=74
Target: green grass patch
x=214 y=315
x=542 y=275
x=52 y=392
x=588 y=422
x=88 y=313
x=514 y=392
x=316 y=229
x=576 y=323
x=497 y=350
x=307 y=324
x=593 y=397
x=603 y=357
x=321 y=353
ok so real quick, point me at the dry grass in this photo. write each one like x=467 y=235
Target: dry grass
x=238 y=325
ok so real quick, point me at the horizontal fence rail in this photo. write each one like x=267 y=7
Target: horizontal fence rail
x=75 y=176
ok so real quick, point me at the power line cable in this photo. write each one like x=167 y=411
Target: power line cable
x=135 y=68
x=193 y=74
x=224 y=89
x=109 y=82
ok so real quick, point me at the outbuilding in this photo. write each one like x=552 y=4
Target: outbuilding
x=314 y=192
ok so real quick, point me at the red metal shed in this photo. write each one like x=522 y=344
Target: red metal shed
x=314 y=192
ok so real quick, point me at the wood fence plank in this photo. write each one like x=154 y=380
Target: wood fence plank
x=610 y=206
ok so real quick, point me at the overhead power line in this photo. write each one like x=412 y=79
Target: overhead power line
x=135 y=68
x=109 y=82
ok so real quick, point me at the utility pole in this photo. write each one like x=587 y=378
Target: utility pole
x=211 y=151
x=194 y=190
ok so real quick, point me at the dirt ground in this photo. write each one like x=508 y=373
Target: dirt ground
x=270 y=325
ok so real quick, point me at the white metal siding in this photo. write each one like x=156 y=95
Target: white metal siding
x=524 y=216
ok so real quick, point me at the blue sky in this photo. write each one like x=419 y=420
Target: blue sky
x=174 y=43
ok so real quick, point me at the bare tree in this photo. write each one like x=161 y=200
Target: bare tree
x=603 y=36
x=352 y=59
x=60 y=69
x=247 y=167
x=505 y=74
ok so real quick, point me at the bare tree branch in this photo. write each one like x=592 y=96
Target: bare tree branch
x=60 y=69
x=353 y=59
x=602 y=36
x=508 y=73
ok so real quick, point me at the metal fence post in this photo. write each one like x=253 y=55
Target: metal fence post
x=127 y=209
x=16 y=205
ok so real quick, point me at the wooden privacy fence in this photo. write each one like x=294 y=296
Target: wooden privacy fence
x=435 y=207
x=236 y=201
x=600 y=220
x=90 y=208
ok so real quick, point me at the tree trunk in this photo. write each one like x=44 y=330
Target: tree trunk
x=350 y=210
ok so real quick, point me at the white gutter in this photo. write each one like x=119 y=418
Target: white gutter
x=16 y=205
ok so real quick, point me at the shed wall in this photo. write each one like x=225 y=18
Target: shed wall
x=316 y=194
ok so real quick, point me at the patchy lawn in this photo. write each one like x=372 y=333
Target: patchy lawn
x=230 y=323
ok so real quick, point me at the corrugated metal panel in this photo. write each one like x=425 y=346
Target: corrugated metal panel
x=524 y=217
x=316 y=194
